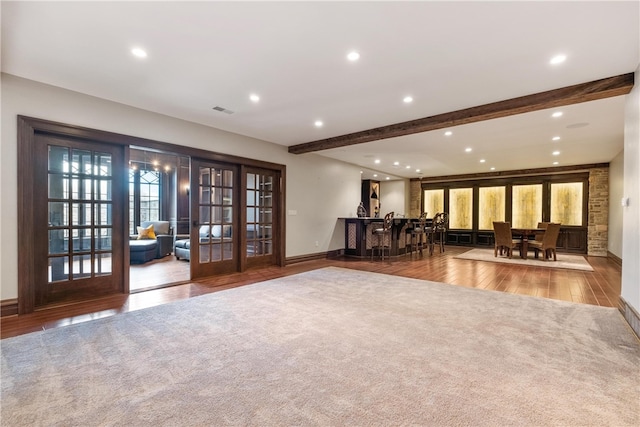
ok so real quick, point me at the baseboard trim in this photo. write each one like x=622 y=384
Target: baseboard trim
x=8 y=307
x=614 y=258
x=313 y=257
x=631 y=316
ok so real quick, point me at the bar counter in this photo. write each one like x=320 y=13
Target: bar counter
x=358 y=235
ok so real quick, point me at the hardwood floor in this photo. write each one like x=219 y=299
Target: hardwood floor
x=600 y=287
x=158 y=272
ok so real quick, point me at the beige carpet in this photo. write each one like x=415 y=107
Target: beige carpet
x=331 y=347
x=573 y=262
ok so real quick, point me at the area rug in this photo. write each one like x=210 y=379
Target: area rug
x=572 y=262
x=331 y=347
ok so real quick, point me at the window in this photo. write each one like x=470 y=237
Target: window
x=144 y=197
x=433 y=202
x=526 y=206
x=566 y=203
x=492 y=204
x=461 y=208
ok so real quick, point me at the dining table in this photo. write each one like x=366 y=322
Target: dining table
x=523 y=234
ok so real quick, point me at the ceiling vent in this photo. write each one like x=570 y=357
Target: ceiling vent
x=222 y=109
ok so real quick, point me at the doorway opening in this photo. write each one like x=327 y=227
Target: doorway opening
x=157 y=215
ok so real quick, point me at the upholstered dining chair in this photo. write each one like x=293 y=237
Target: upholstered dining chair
x=417 y=234
x=538 y=235
x=548 y=243
x=503 y=239
x=382 y=236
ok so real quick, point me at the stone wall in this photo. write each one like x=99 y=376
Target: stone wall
x=598 y=225
x=415 y=198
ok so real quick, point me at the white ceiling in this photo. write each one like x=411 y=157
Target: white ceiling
x=447 y=55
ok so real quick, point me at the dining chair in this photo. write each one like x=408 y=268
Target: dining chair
x=548 y=243
x=503 y=239
x=417 y=234
x=538 y=235
x=382 y=236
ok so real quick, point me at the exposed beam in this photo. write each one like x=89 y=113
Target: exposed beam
x=583 y=92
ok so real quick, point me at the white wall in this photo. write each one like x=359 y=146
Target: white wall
x=631 y=213
x=320 y=189
x=616 y=189
x=393 y=197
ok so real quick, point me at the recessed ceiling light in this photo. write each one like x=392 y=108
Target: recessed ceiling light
x=556 y=153
x=361 y=172
x=557 y=114
x=136 y=51
x=396 y=163
x=408 y=100
x=482 y=160
x=417 y=170
x=556 y=163
x=254 y=97
x=375 y=175
x=318 y=123
x=468 y=149
x=555 y=138
x=492 y=168
x=448 y=133
x=376 y=161
x=407 y=167
x=558 y=59
x=388 y=178
x=353 y=56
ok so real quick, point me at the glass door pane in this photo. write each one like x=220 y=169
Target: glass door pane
x=80 y=212
x=260 y=192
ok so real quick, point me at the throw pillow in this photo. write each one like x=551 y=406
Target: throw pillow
x=146 y=233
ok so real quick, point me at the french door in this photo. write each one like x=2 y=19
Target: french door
x=79 y=223
x=214 y=219
x=262 y=191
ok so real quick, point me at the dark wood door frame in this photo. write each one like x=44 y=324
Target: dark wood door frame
x=29 y=127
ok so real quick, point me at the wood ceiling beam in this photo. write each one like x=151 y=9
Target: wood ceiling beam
x=583 y=92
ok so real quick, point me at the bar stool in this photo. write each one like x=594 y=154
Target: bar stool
x=417 y=235
x=382 y=236
x=437 y=232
